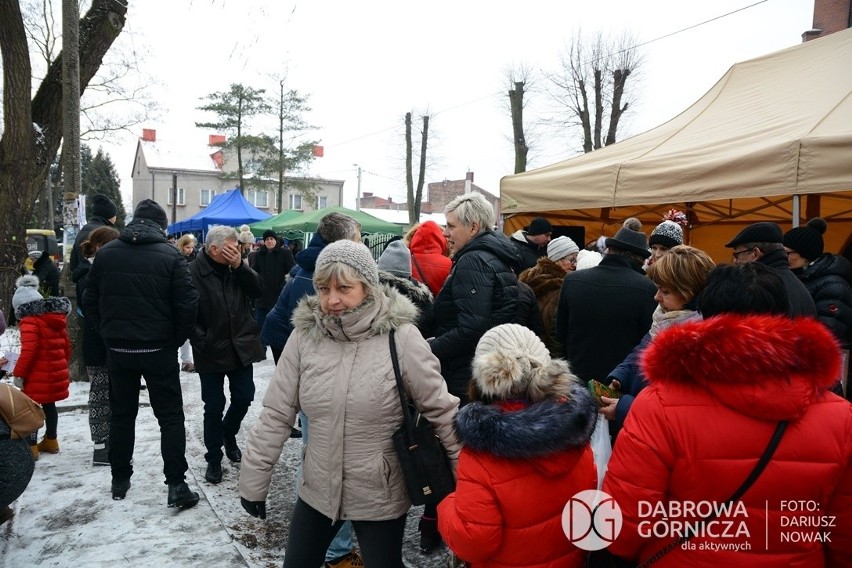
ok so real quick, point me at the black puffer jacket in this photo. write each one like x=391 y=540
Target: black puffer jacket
x=94 y=350
x=829 y=280
x=419 y=295
x=801 y=302
x=481 y=292
x=225 y=336
x=273 y=266
x=139 y=293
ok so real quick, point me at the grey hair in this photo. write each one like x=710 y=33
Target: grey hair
x=337 y=227
x=344 y=273
x=217 y=236
x=472 y=208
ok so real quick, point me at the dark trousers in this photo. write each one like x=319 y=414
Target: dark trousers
x=216 y=428
x=51 y=419
x=260 y=317
x=162 y=378
x=311 y=533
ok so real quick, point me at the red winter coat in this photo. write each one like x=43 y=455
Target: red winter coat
x=516 y=472
x=45 y=349
x=716 y=392
x=428 y=251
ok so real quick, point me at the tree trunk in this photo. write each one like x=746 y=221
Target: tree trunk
x=414 y=208
x=599 y=95
x=409 y=176
x=619 y=80
x=585 y=119
x=516 y=107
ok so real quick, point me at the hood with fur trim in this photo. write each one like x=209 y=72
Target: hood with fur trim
x=51 y=305
x=416 y=291
x=389 y=310
x=766 y=367
x=542 y=428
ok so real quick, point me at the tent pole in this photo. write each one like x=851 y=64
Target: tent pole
x=797 y=207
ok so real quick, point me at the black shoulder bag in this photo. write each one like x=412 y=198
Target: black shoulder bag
x=425 y=465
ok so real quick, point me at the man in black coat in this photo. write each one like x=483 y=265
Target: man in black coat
x=763 y=242
x=140 y=299
x=532 y=243
x=103 y=212
x=273 y=263
x=225 y=342
x=605 y=311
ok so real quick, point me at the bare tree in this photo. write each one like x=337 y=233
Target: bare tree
x=415 y=196
x=519 y=80
x=32 y=127
x=594 y=77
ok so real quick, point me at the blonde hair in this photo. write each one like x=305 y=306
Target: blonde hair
x=472 y=208
x=187 y=239
x=683 y=269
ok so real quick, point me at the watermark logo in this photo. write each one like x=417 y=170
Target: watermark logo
x=591 y=520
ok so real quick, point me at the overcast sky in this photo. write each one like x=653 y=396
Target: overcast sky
x=365 y=64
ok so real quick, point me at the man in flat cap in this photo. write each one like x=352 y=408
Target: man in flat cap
x=532 y=242
x=763 y=242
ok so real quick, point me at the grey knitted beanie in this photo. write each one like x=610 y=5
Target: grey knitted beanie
x=396 y=259
x=352 y=254
x=26 y=291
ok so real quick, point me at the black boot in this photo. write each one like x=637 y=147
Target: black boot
x=213 y=473
x=232 y=450
x=119 y=488
x=430 y=538
x=181 y=496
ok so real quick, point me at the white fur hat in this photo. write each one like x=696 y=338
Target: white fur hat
x=511 y=361
x=588 y=259
x=27 y=291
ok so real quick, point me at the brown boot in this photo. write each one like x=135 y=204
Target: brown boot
x=49 y=445
x=34 y=450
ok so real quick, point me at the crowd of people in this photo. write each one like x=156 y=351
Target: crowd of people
x=515 y=348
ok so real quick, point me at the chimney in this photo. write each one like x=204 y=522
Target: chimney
x=367 y=194
x=218 y=158
x=149 y=135
x=468 y=182
x=216 y=140
x=469 y=177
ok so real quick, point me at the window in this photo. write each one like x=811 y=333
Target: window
x=258 y=198
x=180 y=196
x=296 y=201
x=207 y=196
x=322 y=201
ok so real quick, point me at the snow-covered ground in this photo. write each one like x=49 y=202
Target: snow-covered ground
x=67 y=517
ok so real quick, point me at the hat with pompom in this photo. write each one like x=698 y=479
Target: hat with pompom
x=588 y=259
x=630 y=238
x=26 y=291
x=807 y=240
x=510 y=361
x=668 y=233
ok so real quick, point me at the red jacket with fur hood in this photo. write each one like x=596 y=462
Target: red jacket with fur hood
x=716 y=392
x=429 y=252
x=45 y=349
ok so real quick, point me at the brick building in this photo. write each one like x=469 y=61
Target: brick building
x=438 y=194
x=829 y=16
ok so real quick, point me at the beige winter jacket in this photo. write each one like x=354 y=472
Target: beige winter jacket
x=338 y=371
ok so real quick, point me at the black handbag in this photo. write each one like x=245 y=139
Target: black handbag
x=425 y=465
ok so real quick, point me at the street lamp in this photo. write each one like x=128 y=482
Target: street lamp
x=358 y=196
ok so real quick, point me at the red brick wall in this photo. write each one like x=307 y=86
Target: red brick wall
x=829 y=16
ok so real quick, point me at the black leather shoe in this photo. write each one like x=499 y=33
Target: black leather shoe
x=181 y=496
x=232 y=450
x=119 y=488
x=213 y=473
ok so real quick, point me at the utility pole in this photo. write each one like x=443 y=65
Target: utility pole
x=281 y=149
x=358 y=198
x=174 y=198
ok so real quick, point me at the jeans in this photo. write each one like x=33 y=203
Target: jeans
x=342 y=543
x=216 y=428
x=260 y=317
x=311 y=532
x=162 y=376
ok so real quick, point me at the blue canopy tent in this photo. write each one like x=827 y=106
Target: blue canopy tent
x=230 y=208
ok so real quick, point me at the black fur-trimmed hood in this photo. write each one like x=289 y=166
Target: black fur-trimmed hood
x=539 y=429
x=51 y=305
x=415 y=291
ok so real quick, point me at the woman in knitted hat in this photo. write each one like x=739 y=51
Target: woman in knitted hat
x=525 y=453
x=336 y=367
x=666 y=235
x=45 y=350
x=545 y=279
x=828 y=277
x=680 y=276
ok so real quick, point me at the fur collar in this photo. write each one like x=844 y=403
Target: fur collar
x=393 y=310
x=768 y=367
x=416 y=291
x=544 y=277
x=539 y=429
x=51 y=305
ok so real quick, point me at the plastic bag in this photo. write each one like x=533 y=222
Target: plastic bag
x=601 y=447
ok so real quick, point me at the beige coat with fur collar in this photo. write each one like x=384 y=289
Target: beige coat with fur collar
x=339 y=372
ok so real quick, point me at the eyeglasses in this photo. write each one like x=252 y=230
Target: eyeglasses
x=737 y=253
